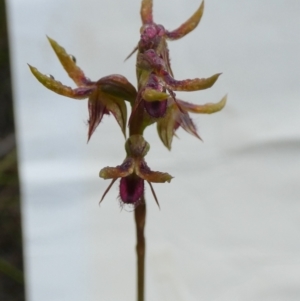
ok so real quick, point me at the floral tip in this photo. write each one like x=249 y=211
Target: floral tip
x=187 y=26
x=208 y=108
x=154 y=194
x=68 y=61
x=146 y=11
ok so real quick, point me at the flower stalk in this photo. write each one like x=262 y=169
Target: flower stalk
x=140 y=220
x=154 y=101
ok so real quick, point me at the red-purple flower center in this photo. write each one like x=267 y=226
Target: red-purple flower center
x=151 y=36
x=156 y=109
x=131 y=189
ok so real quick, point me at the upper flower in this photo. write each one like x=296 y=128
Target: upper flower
x=105 y=96
x=156 y=83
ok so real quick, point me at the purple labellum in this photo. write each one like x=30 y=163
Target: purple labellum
x=131 y=189
x=157 y=108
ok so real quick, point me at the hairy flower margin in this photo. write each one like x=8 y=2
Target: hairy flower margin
x=154 y=101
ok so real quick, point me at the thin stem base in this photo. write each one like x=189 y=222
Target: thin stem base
x=140 y=219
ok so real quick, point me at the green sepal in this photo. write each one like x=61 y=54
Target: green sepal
x=67 y=60
x=153 y=95
x=59 y=88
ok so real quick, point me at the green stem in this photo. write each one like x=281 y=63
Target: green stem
x=137 y=127
x=140 y=218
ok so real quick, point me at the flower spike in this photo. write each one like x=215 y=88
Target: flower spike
x=154 y=101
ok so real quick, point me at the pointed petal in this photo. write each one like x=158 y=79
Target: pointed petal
x=107 y=190
x=151 y=61
x=154 y=194
x=153 y=95
x=207 y=108
x=96 y=112
x=187 y=124
x=190 y=84
x=69 y=64
x=144 y=172
x=118 y=108
x=59 y=88
x=146 y=11
x=187 y=26
x=166 y=125
x=131 y=53
x=120 y=171
x=118 y=86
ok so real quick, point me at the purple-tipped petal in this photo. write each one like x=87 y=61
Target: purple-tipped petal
x=96 y=112
x=187 y=124
x=167 y=125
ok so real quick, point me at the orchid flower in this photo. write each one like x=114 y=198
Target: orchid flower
x=105 y=96
x=133 y=172
x=154 y=101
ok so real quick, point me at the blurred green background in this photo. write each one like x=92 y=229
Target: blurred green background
x=11 y=259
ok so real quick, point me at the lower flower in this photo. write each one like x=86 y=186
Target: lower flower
x=133 y=172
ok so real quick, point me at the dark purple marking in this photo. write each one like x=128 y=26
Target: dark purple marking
x=131 y=189
x=156 y=109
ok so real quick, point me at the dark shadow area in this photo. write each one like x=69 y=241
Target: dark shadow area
x=11 y=257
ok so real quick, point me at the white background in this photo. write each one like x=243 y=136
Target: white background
x=229 y=223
